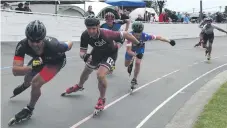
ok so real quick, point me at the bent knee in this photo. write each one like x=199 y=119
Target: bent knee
x=35 y=84
x=101 y=75
x=138 y=63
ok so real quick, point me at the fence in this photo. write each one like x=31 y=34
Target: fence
x=70 y=27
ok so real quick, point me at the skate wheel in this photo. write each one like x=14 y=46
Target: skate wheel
x=130 y=91
x=96 y=112
x=12 y=96
x=12 y=122
x=63 y=94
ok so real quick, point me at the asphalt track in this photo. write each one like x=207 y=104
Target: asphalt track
x=169 y=77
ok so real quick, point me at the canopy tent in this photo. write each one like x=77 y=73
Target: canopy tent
x=138 y=3
x=140 y=11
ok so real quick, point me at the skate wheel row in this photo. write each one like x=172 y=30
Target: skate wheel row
x=15 y=121
x=96 y=112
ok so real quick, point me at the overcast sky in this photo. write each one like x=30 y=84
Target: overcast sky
x=188 y=5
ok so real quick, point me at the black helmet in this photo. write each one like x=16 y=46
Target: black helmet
x=137 y=26
x=109 y=14
x=35 y=31
x=209 y=19
x=91 y=20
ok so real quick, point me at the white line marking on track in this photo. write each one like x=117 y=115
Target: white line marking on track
x=122 y=97
x=176 y=93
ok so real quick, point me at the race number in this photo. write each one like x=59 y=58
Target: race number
x=110 y=61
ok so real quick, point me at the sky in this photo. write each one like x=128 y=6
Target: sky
x=188 y=5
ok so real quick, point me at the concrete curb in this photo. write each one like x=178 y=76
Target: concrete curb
x=186 y=116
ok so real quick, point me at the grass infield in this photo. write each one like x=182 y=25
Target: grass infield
x=214 y=114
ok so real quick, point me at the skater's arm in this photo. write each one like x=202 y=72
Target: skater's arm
x=18 y=61
x=119 y=36
x=171 y=42
x=130 y=37
x=162 y=39
x=219 y=29
x=83 y=48
x=129 y=49
x=59 y=47
x=127 y=21
x=19 y=69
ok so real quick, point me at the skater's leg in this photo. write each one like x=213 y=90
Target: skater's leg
x=211 y=39
x=127 y=62
x=84 y=76
x=137 y=68
x=102 y=82
x=44 y=76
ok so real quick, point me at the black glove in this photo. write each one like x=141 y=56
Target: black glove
x=36 y=64
x=172 y=42
x=140 y=44
x=86 y=56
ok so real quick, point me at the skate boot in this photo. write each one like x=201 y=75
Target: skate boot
x=99 y=106
x=24 y=114
x=196 y=45
x=130 y=67
x=72 y=89
x=19 y=89
x=206 y=52
x=208 y=57
x=133 y=85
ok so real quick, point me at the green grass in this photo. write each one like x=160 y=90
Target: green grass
x=214 y=114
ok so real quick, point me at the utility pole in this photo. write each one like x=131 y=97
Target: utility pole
x=201 y=11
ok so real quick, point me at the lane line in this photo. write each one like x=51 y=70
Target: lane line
x=124 y=96
x=121 y=98
x=175 y=94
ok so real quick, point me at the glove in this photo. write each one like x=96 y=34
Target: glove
x=37 y=62
x=86 y=57
x=172 y=42
x=140 y=44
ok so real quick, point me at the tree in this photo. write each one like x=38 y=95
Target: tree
x=161 y=4
x=148 y=3
x=225 y=10
x=152 y=4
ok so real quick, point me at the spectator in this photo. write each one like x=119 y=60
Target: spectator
x=161 y=17
x=219 y=17
x=124 y=15
x=146 y=16
x=26 y=7
x=6 y=6
x=139 y=18
x=20 y=7
x=118 y=11
x=152 y=19
x=89 y=12
x=186 y=19
x=174 y=17
x=179 y=17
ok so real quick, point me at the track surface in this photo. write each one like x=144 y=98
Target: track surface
x=54 y=111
